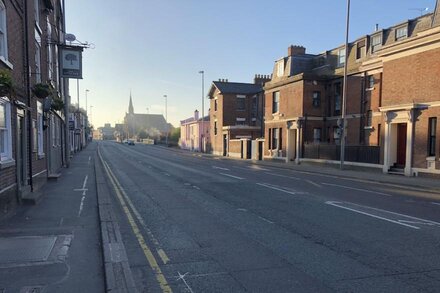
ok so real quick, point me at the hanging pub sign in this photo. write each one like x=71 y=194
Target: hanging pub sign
x=71 y=62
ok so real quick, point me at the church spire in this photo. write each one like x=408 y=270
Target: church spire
x=130 y=106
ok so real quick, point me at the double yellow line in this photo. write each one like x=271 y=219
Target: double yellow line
x=120 y=193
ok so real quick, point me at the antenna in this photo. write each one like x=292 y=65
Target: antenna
x=421 y=10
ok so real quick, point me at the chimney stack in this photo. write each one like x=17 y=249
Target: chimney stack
x=376 y=27
x=196 y=115
x=296 y=50
x=261 y=79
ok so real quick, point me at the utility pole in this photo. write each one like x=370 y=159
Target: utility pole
x=344 y=93
x=166 y=118
x=202 y=136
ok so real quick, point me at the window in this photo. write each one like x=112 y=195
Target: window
x=3 y=32
x=275 y=137
x=336 y=134
x=280 y=138
x=270 y=138
x=215 y=104
x=376 y=43
x=316 y=99
x=215 y=127
x=338 y=91
x=360 y=49
x=5 y=130
x=241 y=102
x=371 y=81
x=40 y=141
x=49 y=50
x=37 y=11
x=432 y=129
x=37 y=56
x=275 y=102
x=254 y=106
x=280 y=68
x=341 y=57
x=316 y=135
x=378 y=134
x=401 y=33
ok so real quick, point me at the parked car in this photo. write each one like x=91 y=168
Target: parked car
x=130 y=142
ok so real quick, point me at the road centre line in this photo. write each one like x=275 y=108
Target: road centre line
x=160 y=277
x=357 y=189
x=266 y=220
x=313 y=183
x=436 y=203
x=220 y=168
x=284 y=176
x=232 y=176
x=278 y=188
x=337 y=204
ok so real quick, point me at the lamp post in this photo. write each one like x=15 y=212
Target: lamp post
x=166 y=118
x=202 y=136
x=344 y=93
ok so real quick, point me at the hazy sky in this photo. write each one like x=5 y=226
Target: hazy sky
x=157 y=48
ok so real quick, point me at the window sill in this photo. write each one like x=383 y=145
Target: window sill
x=6 y=62
x=7 y=163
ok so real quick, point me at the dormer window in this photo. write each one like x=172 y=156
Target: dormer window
x=376 y=43
x=401 y=33
x=341 y=57
x=360 y=49
x=280 y=68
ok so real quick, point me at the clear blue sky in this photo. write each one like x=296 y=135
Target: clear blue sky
x=157 y=47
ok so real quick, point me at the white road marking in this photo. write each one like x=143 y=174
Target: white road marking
x=220 y=168
x=436 y=203
x=336 y=204
x=266 y=220
x=242 y=210
x=166 y=174
x=232 y=176
x=357 y=189
x=196 y=187
x=284 y=176
x=182 y=277
x=89 y=160
x=313 y=183
x=81 y=206
x=282 y=189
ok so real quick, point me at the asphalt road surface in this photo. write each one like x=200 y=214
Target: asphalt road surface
x=206 y=224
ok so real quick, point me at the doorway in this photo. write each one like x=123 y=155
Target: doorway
x=21 y=151
x=401 y=145
x=225 y=144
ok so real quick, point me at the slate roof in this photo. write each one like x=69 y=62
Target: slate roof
x=237 y=87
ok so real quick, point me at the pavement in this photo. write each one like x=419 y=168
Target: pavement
x=54 y=246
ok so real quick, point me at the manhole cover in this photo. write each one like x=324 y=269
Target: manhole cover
x=25 y=249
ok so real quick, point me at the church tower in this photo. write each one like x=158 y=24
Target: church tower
x=130 y=106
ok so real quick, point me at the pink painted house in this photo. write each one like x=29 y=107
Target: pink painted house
x=191 y=130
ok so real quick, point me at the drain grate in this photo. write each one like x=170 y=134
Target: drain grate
x=26 y=249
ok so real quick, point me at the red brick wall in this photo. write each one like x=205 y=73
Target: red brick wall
x=413 y=78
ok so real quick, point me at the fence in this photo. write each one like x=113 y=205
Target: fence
x=361 y=154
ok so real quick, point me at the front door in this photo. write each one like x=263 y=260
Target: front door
x=401 y=145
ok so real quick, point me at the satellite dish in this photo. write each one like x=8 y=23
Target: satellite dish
x=70 y=37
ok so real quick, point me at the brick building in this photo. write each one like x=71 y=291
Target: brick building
x=236 y=116
x=31 y=129
x=392 y=101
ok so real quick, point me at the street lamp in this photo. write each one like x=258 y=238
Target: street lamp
x=202 y=137
x=344 y=93
x=166 y=118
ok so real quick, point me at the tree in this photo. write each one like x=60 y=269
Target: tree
x=142 y=134
x=175 y=135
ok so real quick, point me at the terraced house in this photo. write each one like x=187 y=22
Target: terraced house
x=393 y=101
x=31 y=124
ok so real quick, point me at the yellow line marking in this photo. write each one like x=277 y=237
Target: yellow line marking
x=159 y=249
x=147 y=252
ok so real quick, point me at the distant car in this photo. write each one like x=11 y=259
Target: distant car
x=130 y=142
x=125 y=141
